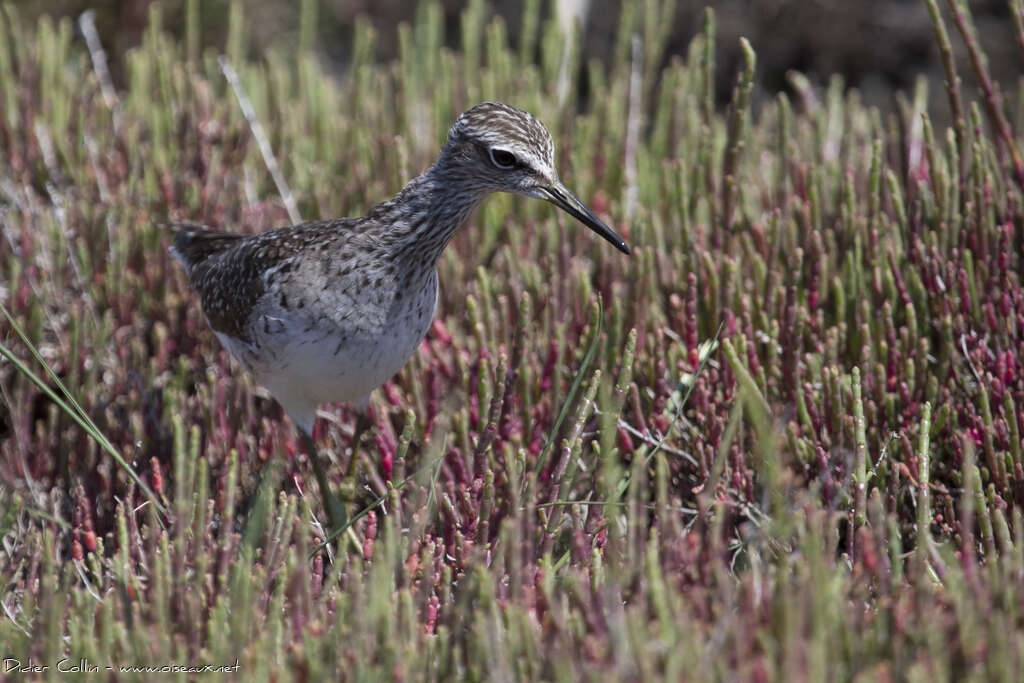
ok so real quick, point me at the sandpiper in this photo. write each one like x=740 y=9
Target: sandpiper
x=330 y=310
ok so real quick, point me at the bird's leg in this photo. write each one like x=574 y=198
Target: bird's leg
x=363 y=425
x=336 y=515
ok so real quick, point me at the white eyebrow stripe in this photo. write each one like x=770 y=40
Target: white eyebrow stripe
x=500 y=126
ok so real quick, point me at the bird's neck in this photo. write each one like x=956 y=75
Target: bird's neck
x=422 y=218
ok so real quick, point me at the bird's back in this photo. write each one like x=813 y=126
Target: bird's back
x=234 y=273
x=221 y=269
x=319 y=311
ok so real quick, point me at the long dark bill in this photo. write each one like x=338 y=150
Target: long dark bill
x=567 y=201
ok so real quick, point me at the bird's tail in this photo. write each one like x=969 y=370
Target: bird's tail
x=193 y=244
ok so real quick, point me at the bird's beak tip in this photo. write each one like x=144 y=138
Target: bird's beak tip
x=561 y=197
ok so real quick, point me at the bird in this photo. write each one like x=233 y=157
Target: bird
x=329 y=310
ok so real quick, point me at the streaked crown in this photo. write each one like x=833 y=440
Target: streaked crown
x=511 y=148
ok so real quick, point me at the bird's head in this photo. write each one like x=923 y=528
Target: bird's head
x=499 y=148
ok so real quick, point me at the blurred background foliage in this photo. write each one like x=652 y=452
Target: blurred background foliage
x=876 y=46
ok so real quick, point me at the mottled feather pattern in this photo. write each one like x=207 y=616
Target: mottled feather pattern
x=330 y=310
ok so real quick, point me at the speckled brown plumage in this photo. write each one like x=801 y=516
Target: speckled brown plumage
x=329 y=310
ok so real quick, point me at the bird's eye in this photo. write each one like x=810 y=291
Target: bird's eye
x=503 y=158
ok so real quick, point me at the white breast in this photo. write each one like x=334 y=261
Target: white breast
x=305 y=362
